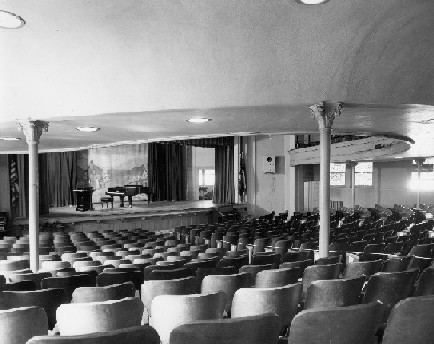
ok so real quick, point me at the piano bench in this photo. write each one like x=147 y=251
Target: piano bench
x=106 y=200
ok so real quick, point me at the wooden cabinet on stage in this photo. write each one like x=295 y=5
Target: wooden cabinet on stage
x=84 y=199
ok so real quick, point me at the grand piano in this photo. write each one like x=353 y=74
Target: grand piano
x=129 y=191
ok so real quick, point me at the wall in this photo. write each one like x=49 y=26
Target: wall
x=389 y=187
x=265 y=191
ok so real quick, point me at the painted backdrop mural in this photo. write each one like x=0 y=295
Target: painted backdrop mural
x=117 y=166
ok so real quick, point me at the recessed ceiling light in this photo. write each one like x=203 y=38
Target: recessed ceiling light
x=88 y=129
x=311 y=2
x=10 y=20
x=10 y=138
x=198 y=120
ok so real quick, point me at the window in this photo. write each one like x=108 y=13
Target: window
x=337 y=174
x=206 y=177
x=426 y=176
x=363 y=174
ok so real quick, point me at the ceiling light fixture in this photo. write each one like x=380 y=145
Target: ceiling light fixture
x=9 y=20
x=10 y=138
x=88 y=129
x=311 y=2
x=198 y=120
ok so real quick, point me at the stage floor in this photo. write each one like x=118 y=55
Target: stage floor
x=69 y=214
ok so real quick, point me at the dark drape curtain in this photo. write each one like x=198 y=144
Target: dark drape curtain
x=167 y=171
x=224 y=191
x=22 y=207
x=57 y=179
x=210 y=142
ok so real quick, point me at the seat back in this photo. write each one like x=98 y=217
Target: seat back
x=17 y=325
x=411 y=321
x=425 y=284
x=229 y=284
x=253 y=270
x=319 y=272
x=340 y=325
x=130 y=335
x=277 y=277
x=389 y=288
x=48 y=299
x=260 y=329
x=100 y=294
x=256 y=301
x=357 y=269
x=334 y=293
x=84 y=318
x=170 y=311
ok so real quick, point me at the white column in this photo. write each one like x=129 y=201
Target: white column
x=419 y=162
x=325 y=114
x=33 y=131
x=353 y=165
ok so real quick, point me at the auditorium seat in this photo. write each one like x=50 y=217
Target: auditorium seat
x=422 y=251
x=328 y=260
x=334 y=293
x=277 y=277
x=84 y=318
x=260 y=329
x=68 y=284
x=158 y=274
x=48 y=299
x=8 y=266
x=282 y=301
x=425 y=283
x=357 y=269
x=319 y=272
x=100 y=294
x=18 y=325
x=389 y=288
x=105 y=279
x=396 y=264
x=153 y=288
x=420 y=263
x=130 y=335
x=253 y=270
x=20 y=286
x=36 y=277
x=170 y=311
x=341 y=325
x=411 y=321
x=229 y=284
x=266 y=258
x=302 y=265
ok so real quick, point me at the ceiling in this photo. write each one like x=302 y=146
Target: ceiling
x=138 y=69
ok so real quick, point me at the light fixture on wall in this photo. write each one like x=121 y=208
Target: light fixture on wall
x=9 y=20
x=9 y=139
x=199 y=120
x=311 y=2
x=88 y=129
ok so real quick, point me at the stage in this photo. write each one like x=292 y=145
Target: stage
x=155 y=216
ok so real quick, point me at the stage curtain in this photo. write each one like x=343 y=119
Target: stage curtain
x=167 y=171
x=224 y=191
x=57 y=179
x=210 y=142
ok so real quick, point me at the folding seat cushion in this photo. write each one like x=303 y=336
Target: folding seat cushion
x=357 y=269
x=334 y=293
x=341 y=325
x=36 y=277
x=154 y=288
x=425 y=283
x=282 y=301
x=229 y=284
x=411 y=321
x=17 y=325
x=259 y=329
x=319 y=272
x=389 y=288
x=84 y=318
x=48 y=299
x=170 y=311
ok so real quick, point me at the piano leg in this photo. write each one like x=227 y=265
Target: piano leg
x=130 y=201
x=122 y=205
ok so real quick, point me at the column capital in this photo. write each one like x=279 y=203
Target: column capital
x=325 y=113
x=351 y=163
x=419 y=161
x=32 y=129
